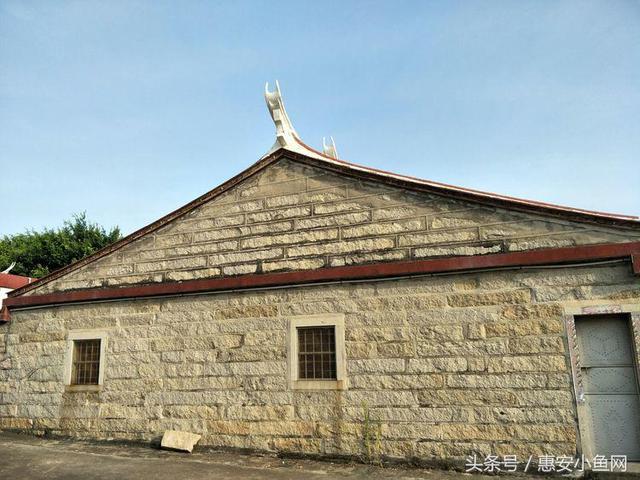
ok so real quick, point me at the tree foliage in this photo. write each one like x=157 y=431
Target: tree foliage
x=39 y=253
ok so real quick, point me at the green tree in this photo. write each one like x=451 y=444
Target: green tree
x=38 y=253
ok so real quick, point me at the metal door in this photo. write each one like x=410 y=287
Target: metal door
x=609 y=383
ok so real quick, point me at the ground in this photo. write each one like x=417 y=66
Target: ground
x=26 y=457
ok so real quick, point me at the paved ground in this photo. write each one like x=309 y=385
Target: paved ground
x=25 y=457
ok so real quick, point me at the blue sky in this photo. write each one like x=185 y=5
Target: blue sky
x=129 y=109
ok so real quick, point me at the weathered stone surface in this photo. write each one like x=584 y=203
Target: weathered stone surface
x=377 y=365
x=546 y=363
x=316 y=197
x=299 y=264
x=462 y=250
x=169 y=265
x=243 y=257
x=523 y=228
x=490 y=298
x=369 y=257
x=393 y=213
x=374 y=229
x=333 y=220
x=438 y=237
x=471 y=218
x=291 y=238
x=279 y=214
x=426 y=365
x=192 y=274
x=347 y=246
x=240 y=269
x=176 y=440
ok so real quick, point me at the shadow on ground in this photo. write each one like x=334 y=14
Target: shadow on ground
x=26 y=457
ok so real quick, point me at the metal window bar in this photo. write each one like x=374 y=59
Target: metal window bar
x=86 y=362
x=317 y=353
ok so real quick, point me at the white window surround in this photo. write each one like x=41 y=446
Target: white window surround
x=73 y=335
x=321 y=320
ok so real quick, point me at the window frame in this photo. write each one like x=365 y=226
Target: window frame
x=322 y=320
x=74 y=336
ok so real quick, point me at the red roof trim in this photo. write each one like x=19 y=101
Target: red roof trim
x=550 y=256
x=354 y=170
x=7 y=280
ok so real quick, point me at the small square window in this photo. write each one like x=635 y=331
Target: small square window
x=317 y=353
x=85 y=369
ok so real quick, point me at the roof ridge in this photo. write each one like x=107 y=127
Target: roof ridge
x=434 y=183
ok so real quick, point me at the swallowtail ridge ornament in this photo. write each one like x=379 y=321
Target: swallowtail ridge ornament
x=286 y=135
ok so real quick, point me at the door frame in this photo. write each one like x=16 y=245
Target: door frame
x=586 y=308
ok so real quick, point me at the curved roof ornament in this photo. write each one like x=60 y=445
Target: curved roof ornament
x=286 y=135
x=10 y=268
x=329 y=149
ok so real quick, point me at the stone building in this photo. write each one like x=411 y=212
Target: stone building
x=315 y=306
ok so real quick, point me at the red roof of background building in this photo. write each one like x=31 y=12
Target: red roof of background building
x=8 y=280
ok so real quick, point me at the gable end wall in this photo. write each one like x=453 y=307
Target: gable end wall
x=291 y=216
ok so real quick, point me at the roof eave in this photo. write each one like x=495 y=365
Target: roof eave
x=564 y=256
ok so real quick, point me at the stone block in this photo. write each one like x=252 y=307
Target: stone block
x=259 y=412
x=456 y=250
x=396 y=381
x=280 y=214
x=376 y=229
x=211 y=247
x=542 y=363
x=489 y=298
x=536 y=243
x=523 y=345
x=476 y=331
x=438 y=348
x=168 y=265
x=442 y=364
x=242 y=269
x=164 y=240
x=470 y=218
x=433 y=238
x=375 y=365
x=396 y=349
x=320 y=197
x=394 y=255
x=299 y=264
x=333 y=220
x=311 y=236
x=230 y=208
x=347 y=246
x=532 y=311
x=341 y=207
x=182 y=441
x=244 y=256
x=521 y=228
x=393 y=213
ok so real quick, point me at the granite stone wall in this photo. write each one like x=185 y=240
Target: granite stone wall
x=438 y=367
